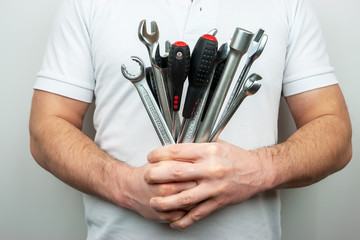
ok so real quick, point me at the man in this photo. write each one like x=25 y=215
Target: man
x=221 y=190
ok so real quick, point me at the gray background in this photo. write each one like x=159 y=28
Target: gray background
x=35 y=205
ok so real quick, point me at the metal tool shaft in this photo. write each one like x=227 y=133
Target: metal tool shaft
x=154 y=113
x=238 y=47
x=251 y=86
x=150 y=40
x=190 y=126
x=149 y=102
x=254 y=52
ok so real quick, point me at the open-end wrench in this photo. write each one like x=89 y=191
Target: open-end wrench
x=239 y=45
x=192 y=124
x=150 y=40
x=159 y=64
x=250 y=87
x=140 y=83
x=256 y=48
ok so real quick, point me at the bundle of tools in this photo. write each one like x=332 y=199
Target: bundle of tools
x=209 y=70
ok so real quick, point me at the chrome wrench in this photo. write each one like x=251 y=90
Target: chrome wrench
x=250 y=87
x=150 y=40
x=141 y=85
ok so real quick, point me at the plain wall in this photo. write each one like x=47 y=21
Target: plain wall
x=35 y=205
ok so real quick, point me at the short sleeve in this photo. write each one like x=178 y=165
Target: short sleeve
x=67 y=67
x=307 y=63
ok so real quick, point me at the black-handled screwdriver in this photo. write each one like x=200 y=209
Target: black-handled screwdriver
x=214 y=83
x=178 y=70
x=201 y=64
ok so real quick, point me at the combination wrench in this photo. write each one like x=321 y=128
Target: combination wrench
x=150 y=40
x=250 y=87
x=149 y=102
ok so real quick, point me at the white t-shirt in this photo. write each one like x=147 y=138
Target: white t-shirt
x=92 y=38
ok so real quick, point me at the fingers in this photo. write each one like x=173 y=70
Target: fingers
x=168 y=189
x=172 y=171
x=197 y=213
x=187 y=152
x=168 y=217
x=183 y=200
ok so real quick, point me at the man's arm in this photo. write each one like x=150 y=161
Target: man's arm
x=322 y=143
x=59 y=146
x=227 y=174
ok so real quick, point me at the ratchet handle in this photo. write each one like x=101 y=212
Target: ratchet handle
x=178 y=70
x=201 y=63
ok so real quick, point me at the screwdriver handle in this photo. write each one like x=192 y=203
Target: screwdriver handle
x=201 y=63
x=178 y=70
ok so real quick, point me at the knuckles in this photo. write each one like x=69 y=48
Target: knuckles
x=216 y=170
x=185 y=201
x=174 y=150
x=213 y=149
x=149 y=175
x=176 y=171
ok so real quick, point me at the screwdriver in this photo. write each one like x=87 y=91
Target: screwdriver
x=218 y=71
x=201 y=64
x=178 y=70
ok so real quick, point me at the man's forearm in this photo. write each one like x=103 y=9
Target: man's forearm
x=313 y=152
x=71 y=156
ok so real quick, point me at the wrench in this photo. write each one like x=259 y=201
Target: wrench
x=141 y=85
x=250 y=87
x=150 y=40
x=159 y=64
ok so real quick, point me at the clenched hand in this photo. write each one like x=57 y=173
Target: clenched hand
x=225 y=174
